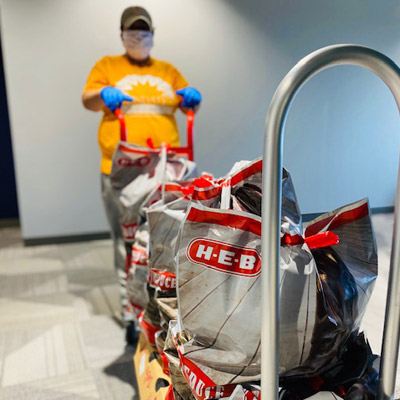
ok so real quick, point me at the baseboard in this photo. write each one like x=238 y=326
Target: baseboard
x=66 y=239
x=106 y=235
x=382 y=210
x=374 y=210
x=9 y=222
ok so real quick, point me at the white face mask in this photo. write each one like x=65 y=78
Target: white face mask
x=137 y=43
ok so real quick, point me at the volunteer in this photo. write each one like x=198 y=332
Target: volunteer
x=148 y=90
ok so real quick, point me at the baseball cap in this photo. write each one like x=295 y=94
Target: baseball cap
x=133 y=14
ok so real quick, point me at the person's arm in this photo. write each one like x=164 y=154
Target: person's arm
x=108 y=96
x=92 y=100
x=98 y=92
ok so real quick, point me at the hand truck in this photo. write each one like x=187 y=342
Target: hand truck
x=310 y=65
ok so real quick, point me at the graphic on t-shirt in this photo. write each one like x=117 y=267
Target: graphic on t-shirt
x=147 y=89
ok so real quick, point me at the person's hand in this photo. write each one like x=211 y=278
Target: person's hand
x=191 y=97
x=113 y=97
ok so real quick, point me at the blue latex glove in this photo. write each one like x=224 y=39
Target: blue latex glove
x=191 y=97
x=113 y=97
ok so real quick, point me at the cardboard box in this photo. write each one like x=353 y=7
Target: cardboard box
x=152 y=382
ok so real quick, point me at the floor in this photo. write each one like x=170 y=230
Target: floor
x=59 y=336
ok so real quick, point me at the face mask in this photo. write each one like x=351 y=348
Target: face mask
x=137 y=43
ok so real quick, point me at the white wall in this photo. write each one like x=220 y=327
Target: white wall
x=343 y=130
x=342 y=123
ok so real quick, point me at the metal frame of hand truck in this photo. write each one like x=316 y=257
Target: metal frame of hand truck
x=310 y=65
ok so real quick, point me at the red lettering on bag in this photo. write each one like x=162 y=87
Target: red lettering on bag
x=224 y=257
x=162 y=279
x=196 y=378
x=138 y=162
x=139 y=256
x=203 y=388
x=128 y=231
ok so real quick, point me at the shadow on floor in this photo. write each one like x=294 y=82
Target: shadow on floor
x=123 y=369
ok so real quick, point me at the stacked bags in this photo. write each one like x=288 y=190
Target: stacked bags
x=136 y=177
x=195 y=283
x=327 y=276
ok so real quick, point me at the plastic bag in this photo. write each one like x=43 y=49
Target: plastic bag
x=219 y=289
x=353 y=377
x=164 y=219
x=136 y=172
x=164 y=223
x=138 y=274
x=346 y=278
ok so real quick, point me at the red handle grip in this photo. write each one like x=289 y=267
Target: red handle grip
x=120 y=115
x=189 y=133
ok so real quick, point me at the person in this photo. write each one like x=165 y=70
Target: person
x=148 y=91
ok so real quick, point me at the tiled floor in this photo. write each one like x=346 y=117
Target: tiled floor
x=59 y=338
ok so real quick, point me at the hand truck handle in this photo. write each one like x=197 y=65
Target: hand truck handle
x=189 y=129
x=121 y=118
x=319 y=60
x=189 y=133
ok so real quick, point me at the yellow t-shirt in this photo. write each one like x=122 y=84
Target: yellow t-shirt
x=150 y=115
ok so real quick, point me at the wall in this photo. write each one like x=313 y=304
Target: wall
x=342 y=134
x=343 y=137
x=341 y=143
